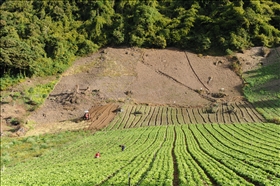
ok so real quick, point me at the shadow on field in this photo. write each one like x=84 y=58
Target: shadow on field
x=272 y=87
x=269 y=103
x=266 y=71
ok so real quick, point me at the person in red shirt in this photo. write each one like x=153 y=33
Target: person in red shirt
x=97 y=155
x=86 y=115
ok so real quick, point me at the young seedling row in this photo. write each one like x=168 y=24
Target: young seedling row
x=141 y=115
x=270 y=109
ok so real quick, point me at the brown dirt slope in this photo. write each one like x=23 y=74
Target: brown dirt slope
x=138 y=76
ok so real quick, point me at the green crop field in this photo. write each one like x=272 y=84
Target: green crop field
x=232 y=142
x=194 y=154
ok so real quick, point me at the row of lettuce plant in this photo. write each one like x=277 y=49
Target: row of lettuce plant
x=219 y=173
x=253 y=136
x=141 y=160
x=204 y=154
x=140 y=119
x=239 y=145
x=245 y=139
x=142 y=115
x=190 y=173
x=119 y=118
x=211 y=146
x=161 y=169
x=73 y=161
x=263 y=129
x=270 y=110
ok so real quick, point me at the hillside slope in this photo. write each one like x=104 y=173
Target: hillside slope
x=155 y=77
x=167 y=77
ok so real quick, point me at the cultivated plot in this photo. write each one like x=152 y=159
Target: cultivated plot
x=193 y=154
x=141 y=115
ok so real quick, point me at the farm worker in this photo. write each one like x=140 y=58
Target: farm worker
x=86 y=115
x=97 y=155
x=123 y=147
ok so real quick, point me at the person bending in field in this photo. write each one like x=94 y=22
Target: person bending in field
x=86 y=116
x=97 y=155
x=123 y=147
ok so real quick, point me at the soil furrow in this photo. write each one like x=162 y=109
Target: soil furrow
x=248 y=110
x=226 y=116
x=139 y=117
x=212 y=117
x=197 y=116
x=179 y=116
x=200 y=112
x=107 y=117
x=125 y=116
x=169 y=116
x=163 y=116
x=150 y=116
x=146 y=116
x=131 y=120
x=159 y=118
x=219 y=115
x=193 y=115
x=186 y=116
x=242 y=117
x=175 y=163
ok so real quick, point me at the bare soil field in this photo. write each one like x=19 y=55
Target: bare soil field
x=113 y=77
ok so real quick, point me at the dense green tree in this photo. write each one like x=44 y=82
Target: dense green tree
x=43 y=37
x=149 y=27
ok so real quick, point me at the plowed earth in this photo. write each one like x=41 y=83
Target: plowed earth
x=118 y=78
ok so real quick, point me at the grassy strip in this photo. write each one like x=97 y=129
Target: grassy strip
x=16 y=150
x=259 y=91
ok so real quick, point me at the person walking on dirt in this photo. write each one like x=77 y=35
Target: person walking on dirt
x=97 y=155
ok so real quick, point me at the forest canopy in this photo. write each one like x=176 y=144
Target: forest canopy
x=40 y=38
